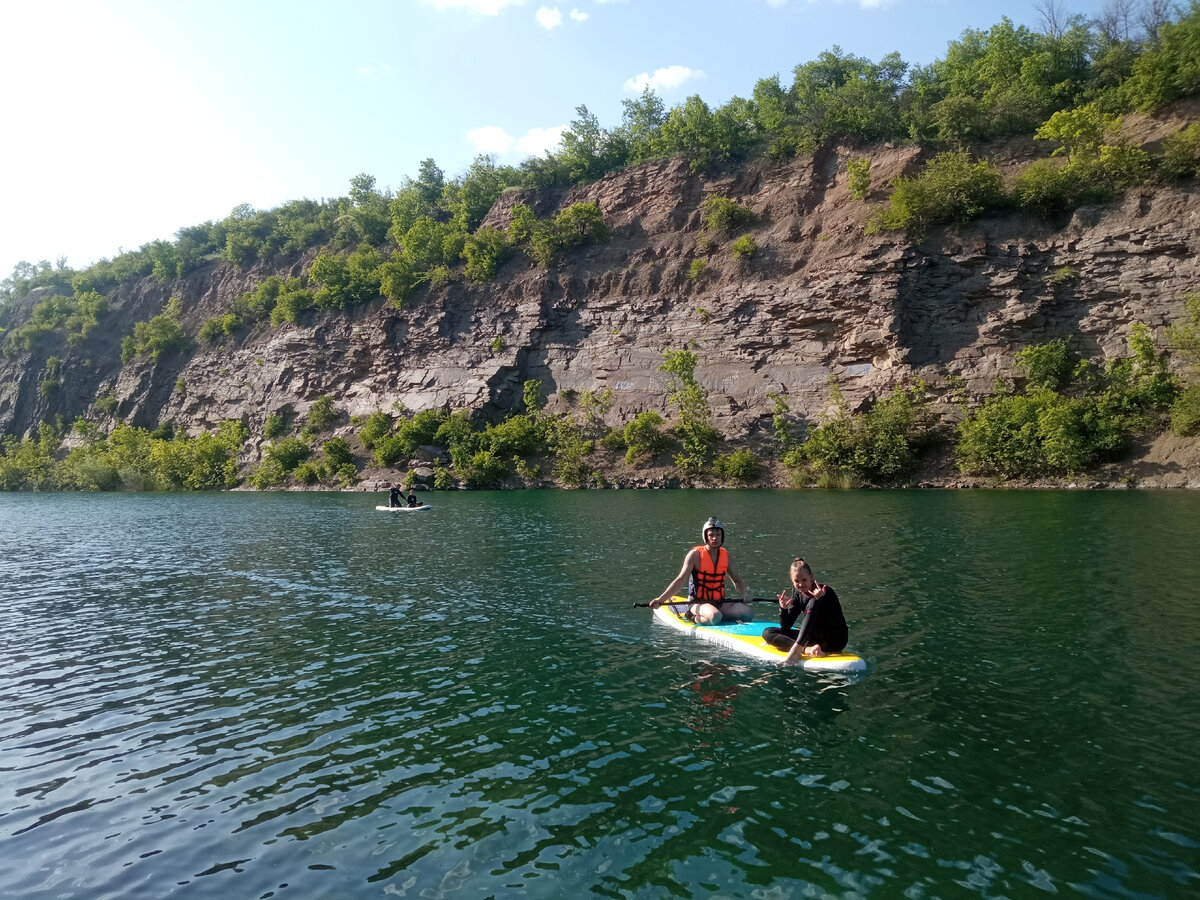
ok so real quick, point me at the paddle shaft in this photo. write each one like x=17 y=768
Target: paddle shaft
x=734 y=599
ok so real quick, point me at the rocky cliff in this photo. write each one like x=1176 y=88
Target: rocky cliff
x=820 y=298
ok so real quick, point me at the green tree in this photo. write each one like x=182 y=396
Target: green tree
x=1185 y=340
x=346 y=280
x=1080 y=132
x=839 y=94
x=694 y=421
x=377 y=427
x=690 y=131
x=641 y=121
x=472 y=196
x=1051 y=364
x=369 y=213
x=1171 y=68
x=587 y=149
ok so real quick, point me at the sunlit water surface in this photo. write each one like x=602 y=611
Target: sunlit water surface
x=292 y=695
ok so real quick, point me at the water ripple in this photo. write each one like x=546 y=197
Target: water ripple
x=274 y=696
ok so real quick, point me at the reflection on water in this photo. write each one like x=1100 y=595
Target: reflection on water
x=245 y=695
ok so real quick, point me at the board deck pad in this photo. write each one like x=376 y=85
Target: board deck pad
x=746 y=637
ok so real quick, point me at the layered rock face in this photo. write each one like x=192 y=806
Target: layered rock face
x=820 y=298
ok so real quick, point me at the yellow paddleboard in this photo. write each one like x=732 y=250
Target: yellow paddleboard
x=747 y=638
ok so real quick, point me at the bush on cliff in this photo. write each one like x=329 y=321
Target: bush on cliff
x=952 y=189
x=858 y=177
x=1100 y=165
x=1170 y=67
x=346 y=280
x=721 y=215
x=693 y=423
x=161 y=334
x=1185 y=340
x=29 y=463
x=879 y=445
x=426 y=427
x=738 y=467
x=545 y=239
x=1181 y=153
x=644 y=438
x=135 y=459
x=377 y=426
x=1063 y=424
x=484 y=251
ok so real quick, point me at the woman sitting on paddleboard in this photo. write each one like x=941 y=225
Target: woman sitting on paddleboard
x=823 y=630
x=705 y=568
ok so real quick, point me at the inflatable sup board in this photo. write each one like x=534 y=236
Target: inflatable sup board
x=404 y=508
x=747 y=638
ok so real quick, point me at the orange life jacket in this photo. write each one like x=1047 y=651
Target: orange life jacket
x=708 y=581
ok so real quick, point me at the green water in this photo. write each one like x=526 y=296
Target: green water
x=295 y=696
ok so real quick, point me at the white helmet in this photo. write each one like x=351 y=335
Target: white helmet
x=712 y=523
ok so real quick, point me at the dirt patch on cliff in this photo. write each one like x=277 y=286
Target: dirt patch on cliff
x=1167 y=461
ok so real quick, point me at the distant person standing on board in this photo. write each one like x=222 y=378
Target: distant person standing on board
x=823 y=628
x=704 y=569
x=394 y=496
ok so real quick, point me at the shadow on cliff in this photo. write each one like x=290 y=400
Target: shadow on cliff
x=1002 y=282
x=154 y=382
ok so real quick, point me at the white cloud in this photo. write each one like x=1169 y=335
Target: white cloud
x=483 y=7
x=663 y=79
x=579 y=16
x=381 y=69
x=548 y=18
x=537 y=141
x=491 y=139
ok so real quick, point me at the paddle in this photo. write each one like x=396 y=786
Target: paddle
x=748 y=599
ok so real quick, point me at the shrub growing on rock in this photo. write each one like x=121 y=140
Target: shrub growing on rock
x=952 y=189
x=720 y=215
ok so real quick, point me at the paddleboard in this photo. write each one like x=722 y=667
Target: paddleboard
x=404 y=508
x=746 y=637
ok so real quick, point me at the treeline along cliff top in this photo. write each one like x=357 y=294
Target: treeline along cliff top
x=980 y=271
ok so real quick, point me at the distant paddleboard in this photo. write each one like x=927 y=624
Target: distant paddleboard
x=404 y=508
x=747 y=638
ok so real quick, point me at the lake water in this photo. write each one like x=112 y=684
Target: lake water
x=294 y=696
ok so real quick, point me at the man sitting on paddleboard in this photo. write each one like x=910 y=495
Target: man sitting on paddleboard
x=705 y=568
x=823 y=630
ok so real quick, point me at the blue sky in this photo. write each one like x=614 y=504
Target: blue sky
x=126 y=120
